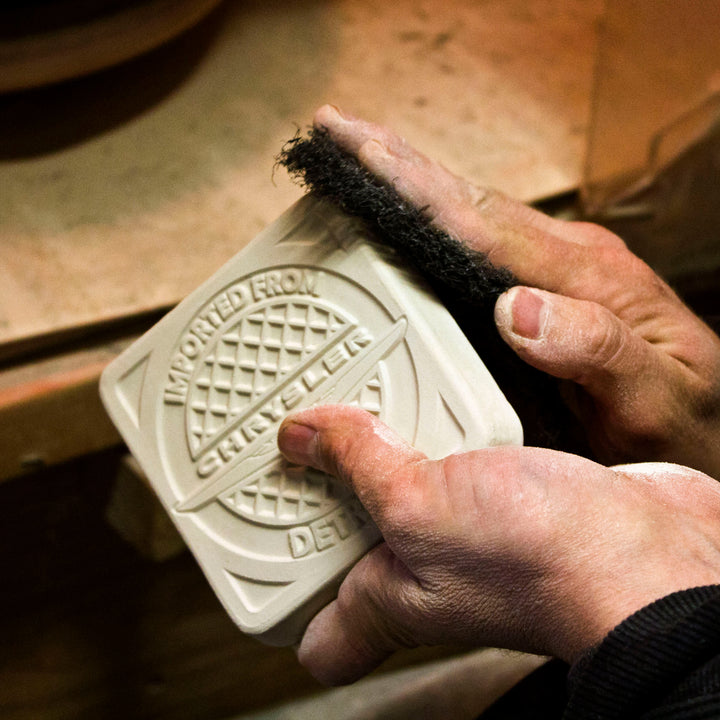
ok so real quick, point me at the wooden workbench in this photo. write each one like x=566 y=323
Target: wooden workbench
x=123 y=191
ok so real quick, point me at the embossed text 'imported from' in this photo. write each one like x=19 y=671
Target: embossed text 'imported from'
x=225 y=305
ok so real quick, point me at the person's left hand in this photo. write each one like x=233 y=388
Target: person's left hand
x=644 y=371
x=513 y=547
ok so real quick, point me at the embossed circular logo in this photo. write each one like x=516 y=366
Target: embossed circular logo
x=273 y=355
x=273 y=342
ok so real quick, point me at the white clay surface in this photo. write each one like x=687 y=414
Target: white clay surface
x=308 y=313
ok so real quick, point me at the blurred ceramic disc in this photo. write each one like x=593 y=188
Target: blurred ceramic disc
x=46 y=41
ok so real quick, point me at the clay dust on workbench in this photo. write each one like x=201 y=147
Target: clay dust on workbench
x=151 y=175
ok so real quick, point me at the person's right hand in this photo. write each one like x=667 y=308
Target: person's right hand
x=513 y=547
x=645 y=370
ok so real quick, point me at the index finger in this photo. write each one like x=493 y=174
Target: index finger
x=541 y=251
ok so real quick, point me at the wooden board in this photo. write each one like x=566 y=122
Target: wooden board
x=50 y=410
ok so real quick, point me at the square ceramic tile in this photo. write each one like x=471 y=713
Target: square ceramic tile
x=310 y=312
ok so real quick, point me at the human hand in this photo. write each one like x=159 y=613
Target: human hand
x=522 y=548
x=645 y=370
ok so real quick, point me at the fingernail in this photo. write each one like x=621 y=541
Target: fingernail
x=341 y=114
x=298 y=442
x=376 y=148
x=526 y=312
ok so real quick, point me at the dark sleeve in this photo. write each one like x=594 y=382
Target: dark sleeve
x=662 y=662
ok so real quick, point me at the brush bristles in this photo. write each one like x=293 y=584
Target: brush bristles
x=330 y=173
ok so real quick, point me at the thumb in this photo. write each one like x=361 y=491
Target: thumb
x=358 y=630
x=572 y=339
x=358 y=449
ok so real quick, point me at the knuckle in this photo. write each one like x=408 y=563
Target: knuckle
x=624 y=266
x=338 y=455
x=482 y=198
x=638 y=270
x=617 y=259
x=605 y=341
x=342 y=443
x=597 y=236
x=404 y=508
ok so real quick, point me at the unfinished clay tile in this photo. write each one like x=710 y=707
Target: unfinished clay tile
x=310 y=312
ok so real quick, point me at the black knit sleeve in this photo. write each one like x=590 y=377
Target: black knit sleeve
x=662 y=662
